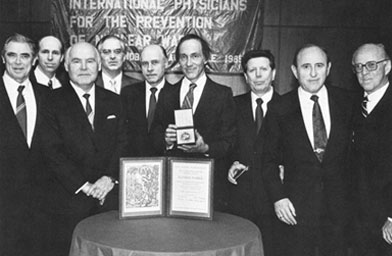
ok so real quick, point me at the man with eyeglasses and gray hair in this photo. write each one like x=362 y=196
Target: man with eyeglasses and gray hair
x=113 y=52
x=372 y=152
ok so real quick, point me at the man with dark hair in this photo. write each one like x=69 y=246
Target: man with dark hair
x=140 y=100
x=20 y=119
x=373 y=152
x=308 y=133
x=50 y=55
x=247 y=197
x=113 y=53
x=213 y=114
x=83 y=140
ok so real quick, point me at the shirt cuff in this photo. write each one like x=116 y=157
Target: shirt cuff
x=390 y=219
x=81 y=188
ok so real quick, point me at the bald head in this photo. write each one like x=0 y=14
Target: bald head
x=50 y=55
x=82 y=62
x=372 y=66
x=153 y=60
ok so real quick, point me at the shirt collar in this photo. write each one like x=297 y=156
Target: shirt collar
x=266 y=97
x=106 y=79
x=159 y=86
x=41 y=77
x=80 y=92
x=377 y=95
x=200 y=82
x=10 y=83
x=322 y=93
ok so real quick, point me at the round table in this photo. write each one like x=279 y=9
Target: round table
x=105 y=234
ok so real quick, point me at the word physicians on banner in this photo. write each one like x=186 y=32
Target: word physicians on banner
x=230 y=26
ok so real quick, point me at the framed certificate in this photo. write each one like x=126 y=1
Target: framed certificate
x=142 y=187
x=190 y=187
x=173 y=187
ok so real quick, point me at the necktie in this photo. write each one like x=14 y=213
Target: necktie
x=21 y=113
x=364 y=107
x=89 y=110
x=113 y=85
x=50 y=84
x=259 y=114
x=151 y=107
x=188 y=100
x=319 y=131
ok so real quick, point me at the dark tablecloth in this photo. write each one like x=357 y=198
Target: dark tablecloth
x=106 y=235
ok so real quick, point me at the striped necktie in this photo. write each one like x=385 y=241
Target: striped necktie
x=364 y=107
x=50 y=84
x=21 y=113
x=89 y=110
x=188 y=100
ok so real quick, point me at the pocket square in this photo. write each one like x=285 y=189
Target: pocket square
x=111 y=117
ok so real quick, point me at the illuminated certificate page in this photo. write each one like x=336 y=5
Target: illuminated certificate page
x=190 y=187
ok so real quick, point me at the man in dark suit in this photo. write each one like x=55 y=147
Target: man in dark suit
x=113 y=52
x=83 y=139
x=372 y=146
x=247 y=197
x=50 y=55
x=140 y=100
x=309 y=133
x=20 y=119
x=213 y=114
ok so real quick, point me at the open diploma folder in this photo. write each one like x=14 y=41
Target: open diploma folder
x=185 y=130
x=160 y=186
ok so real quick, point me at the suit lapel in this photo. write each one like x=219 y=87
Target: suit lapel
x=246 y=113
x=141 y=105
x=99 y=81
x=299 y=126
x=207 y=99
x=77 y=110
x=8 y=113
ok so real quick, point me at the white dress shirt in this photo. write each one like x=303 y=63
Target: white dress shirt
x=266 y=98
x=11 y=86
x=200 y=83
x=108 y=82
x=148 y=93
x=306 y=105
x=44 y=80
x=375 y=97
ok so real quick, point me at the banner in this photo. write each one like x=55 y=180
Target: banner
x=230 y=26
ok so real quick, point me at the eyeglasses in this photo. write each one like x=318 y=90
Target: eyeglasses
x=370 y=66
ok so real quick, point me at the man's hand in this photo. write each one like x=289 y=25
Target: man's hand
x=199 y=147
x=387 y=231
x=285 y=211
x=102 y=187
x=87 y=188
x=235 y=168
x=171 y=135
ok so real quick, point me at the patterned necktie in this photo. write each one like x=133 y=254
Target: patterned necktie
x=89 y=110
x=113 y=86
x=319 y=131
x=21 y=113
x=50 y=84
x=364 y=107
x=188 y=100
x=151 y=107
x=259 y=114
